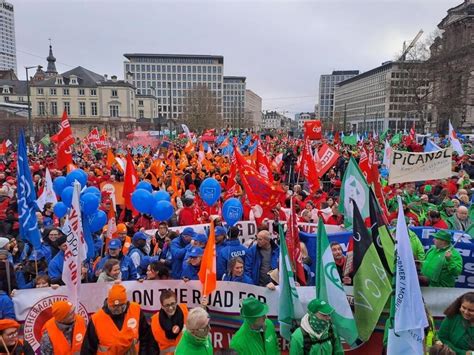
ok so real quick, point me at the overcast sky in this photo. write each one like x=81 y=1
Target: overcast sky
x=282 y=47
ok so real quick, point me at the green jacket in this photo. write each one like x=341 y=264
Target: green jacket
x=416 y=246
x=326 y=348
x=189 y=344
x=440 y=271
x=249 y=342
x=455 y=332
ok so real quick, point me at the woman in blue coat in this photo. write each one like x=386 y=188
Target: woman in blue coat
x=236 y=272
x=193 y=264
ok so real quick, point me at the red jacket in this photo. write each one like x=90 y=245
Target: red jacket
x=441 y=224
x=187 y=216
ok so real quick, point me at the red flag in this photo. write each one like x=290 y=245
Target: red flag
x=65 y=141
x=312 y=130
x=263 y=166
x=327 y=158
x=294 y=247
x=93 y=137
x=207 y=271
x=337 y=138
x=131 y=180
x=262 y=194
x=3 y=148
x=308 y=167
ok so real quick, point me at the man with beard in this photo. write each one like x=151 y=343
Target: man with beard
x=64 y=332
x=167 y=325
x=119 y=327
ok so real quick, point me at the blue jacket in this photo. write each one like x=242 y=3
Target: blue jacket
x=190 y=272
x=242 y=279
x=129 y=271
x=253 y=260
x=45 y=249
x=178 y=250
x=231 y=249
x=131 y=254
x=55 y=268
x=7 y=310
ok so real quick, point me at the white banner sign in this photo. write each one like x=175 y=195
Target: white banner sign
x=411 y=167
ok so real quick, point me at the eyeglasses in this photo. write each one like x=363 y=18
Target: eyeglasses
x=170 y=305
x=12 y=335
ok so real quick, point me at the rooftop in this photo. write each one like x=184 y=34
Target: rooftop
x=131 y=56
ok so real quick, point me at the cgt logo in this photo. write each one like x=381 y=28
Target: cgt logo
x=39 y=314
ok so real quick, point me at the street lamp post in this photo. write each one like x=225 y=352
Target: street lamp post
x=30 y=127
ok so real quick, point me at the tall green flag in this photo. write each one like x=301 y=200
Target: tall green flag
x=329 y=288
x=372 y=286
x=289 y=305
x=396 y=139
x=350 y=140
x=354 y=186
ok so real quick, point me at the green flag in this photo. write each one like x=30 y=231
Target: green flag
x=329 y=288
x=350 y=140
x=354 y=186
x=372 y=286
x=45 y=140
x=396 y=139
x=383 y=135
x=289 y=305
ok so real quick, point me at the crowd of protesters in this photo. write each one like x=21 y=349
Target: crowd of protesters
x=134 y=253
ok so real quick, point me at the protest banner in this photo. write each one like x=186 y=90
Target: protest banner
x=411 y=167
x=312 y=129
x=33 y=307
x=327 y=158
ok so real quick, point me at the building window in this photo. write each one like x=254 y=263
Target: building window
x=67 y=107
x=114 y=111
x=82 y=92
x=54 y=108
x=114 y=93
x=141 y=114
x=7 y=99
x=40 y=91
x=93 y=92
x=94 y=108
x=41 y=108
x=52 y=91
x=66 y=92
x=82 y=108
x=140 y=102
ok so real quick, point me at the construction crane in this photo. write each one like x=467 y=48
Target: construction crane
x=412 y=44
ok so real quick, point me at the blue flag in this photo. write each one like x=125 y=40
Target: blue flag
x=431 y=146
x=26 y=198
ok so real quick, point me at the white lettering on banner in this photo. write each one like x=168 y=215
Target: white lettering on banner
x=411 y=167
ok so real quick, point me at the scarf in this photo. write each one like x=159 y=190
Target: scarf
x=169 y=324
x=315 y=327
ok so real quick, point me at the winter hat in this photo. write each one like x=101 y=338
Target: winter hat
x=8 y=323
x=117 y=295
x=61 y=309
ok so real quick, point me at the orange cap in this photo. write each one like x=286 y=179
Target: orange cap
x=121 y=228
x=8 y=323
x=61 y=309
x=117 y=295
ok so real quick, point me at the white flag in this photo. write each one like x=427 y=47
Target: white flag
x=455 y=143
x=186 y=130
x=76 y=248
x=48 y=194
x=410 y=319
x=387 y=153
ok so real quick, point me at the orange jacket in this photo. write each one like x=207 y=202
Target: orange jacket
x=166 y=345
x=60 y=344
x=111 y=339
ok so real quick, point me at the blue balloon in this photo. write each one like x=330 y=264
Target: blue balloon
x=92 y=190
x=77 y=174
x=60 y=209
x=66 y=195
x=210 y=191
x=97 y=221
x=90 y=203
x=59 y=184
x=161 y=195
x=232 y=211
x=162 y=211
x=143 y=201
x=144 y=185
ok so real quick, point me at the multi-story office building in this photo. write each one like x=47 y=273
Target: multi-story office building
x=253 y=110
x=7 y=31
x=381 y=98
x=327 y=84
x=170 y=77
x=234 y=101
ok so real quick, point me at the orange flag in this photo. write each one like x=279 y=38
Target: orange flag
x=207 y=272
x=110 y=159
x=131 y=180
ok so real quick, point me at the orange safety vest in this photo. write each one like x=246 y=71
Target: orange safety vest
x=167 y=346
x=110 y=337
x=60 y=344
x=126 y=245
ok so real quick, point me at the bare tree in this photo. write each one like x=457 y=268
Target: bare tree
x=200 y=110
